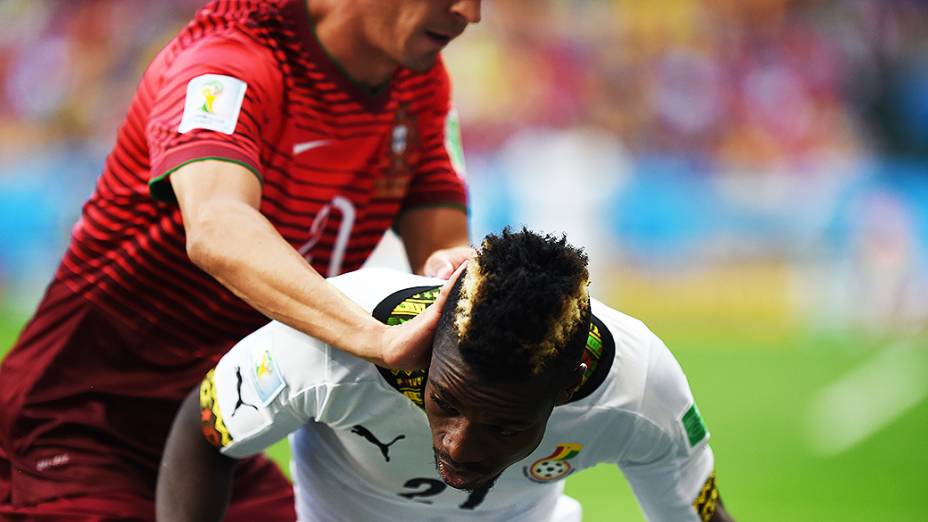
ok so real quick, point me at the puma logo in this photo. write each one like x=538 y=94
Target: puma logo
x=240 y=402
x=384 y=448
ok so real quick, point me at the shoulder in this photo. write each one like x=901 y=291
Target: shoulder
x=305 y=358
x=633 y=344
x=646 y=381
x=231 y=37
x=642 y=363
x=369 y=287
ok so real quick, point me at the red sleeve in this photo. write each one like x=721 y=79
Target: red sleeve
x=219 y=98
x=438 y=179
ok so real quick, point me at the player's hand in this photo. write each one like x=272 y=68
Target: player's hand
x=442 y=263
x=408 y=346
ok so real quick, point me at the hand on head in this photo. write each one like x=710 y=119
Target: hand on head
x=409 y=345
x=442 y=263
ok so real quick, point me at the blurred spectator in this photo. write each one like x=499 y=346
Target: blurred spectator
x=735 y=125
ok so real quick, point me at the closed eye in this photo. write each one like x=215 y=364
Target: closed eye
x=505 y=432
x=444 y=405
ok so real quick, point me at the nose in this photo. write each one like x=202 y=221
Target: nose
x=462 y=443
x=469 y=10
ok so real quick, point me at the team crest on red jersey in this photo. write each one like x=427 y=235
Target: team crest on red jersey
x=403 y=151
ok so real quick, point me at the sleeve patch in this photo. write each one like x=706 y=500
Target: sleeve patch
x=694 y=425
x=212 y=425
x=213 y=102
x=267 y=377
x=708 y=500
x=453 y=144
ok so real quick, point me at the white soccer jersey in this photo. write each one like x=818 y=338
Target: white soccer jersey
x=362 y=449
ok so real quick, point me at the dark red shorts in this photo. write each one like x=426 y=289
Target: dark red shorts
x=260 y=492
x=86 y=403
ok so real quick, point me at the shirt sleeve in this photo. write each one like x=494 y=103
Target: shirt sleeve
x=219 y=98
x=439 y=177
x=268 y=386
x=668 y=461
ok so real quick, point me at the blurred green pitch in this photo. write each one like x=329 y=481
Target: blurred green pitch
x=753 y=394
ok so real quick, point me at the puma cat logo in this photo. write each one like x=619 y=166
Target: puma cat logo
x=240 y=402
x=384 y=448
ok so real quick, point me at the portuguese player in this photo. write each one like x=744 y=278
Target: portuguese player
x=530 y=381
x=271 y=143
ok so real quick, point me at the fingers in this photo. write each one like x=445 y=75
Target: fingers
x=408 y=345
x=439 y=303
x=443 y=263
x=443 y=271
x=428 y=319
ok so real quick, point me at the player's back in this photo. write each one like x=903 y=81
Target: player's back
x=365 y=450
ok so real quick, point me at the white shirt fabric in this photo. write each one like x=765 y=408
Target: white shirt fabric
x=278 y=381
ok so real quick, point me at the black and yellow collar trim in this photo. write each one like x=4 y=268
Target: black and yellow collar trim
x=405 y=304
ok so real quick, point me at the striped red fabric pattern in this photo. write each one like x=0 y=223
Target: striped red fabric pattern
x=337 y=163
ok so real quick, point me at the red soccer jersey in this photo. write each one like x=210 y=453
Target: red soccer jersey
x=247 y=82
x=337 y=165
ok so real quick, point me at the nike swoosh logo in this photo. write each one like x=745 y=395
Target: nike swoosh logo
x=300 y=148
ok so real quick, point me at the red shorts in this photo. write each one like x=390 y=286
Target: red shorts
x=86 y=403
x=260 y=492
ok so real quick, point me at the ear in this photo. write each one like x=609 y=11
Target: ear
x=573 y=384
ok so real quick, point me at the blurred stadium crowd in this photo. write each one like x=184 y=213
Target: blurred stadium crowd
x=759 y=159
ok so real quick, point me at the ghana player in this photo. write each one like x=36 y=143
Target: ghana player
x=271 y=143
x=530 y=380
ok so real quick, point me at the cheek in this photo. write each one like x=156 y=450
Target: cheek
x=437 y=424
x=438 y=433
x=514 y=449
x=530 y=443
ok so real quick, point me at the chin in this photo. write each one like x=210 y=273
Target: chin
x=469 y=486
x=467 y=483
x=422 y=63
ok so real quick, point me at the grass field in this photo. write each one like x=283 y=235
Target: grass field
x=755 y=395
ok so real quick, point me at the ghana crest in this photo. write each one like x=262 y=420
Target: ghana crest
x=555 y=466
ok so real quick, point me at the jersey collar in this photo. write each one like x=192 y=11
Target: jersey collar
x=407 y=303
x=374 y=101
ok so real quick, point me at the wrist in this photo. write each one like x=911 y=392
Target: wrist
x=371 y=341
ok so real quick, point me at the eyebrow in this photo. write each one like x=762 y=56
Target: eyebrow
x=439 y=390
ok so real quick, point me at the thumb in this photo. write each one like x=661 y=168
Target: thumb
x=427 y=321
x=439 y=303
x=443 y=271
x=412 y=341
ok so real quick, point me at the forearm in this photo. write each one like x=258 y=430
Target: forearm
x=425 y=231
x=195 y=480
x=237 y=245
x=721 y=515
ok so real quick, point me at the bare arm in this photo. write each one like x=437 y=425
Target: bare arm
x=229 y=238
x=195 y=480
x=436 y=239
x=721 y=515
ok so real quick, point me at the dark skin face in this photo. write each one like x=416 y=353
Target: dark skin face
x=480 y=427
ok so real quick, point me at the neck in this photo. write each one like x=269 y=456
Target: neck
x=340 y=29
